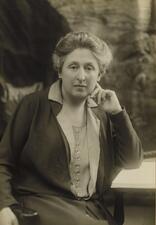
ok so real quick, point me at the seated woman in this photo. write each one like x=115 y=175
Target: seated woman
x=64 y=145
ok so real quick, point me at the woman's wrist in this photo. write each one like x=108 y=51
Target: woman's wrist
x=116 y=111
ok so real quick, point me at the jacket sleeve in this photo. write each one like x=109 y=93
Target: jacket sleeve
x=13 y=140
x=126 y=144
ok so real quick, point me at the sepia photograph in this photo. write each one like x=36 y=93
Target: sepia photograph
x=78 y=112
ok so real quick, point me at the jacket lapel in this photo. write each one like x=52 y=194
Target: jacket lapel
x=62 y=146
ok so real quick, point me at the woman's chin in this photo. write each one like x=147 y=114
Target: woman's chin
x=80 y=97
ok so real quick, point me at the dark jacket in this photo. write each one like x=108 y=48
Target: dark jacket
x=34 y=158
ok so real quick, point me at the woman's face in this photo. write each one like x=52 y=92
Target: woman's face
x=80 y=73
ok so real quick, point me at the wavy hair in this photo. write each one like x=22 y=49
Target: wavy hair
x=75 y=40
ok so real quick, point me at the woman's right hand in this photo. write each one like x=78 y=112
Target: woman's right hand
x=7 y=217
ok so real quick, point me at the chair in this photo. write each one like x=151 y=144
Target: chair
x=119 y=208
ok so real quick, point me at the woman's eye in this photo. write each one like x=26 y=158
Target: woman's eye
x=89 y=68
x=73 y=67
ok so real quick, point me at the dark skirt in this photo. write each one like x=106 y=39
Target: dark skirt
x=54 y=210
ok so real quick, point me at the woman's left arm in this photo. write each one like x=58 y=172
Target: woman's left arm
x=126 y=143
x=127 y=146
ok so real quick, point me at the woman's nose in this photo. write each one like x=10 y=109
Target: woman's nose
x=81 y=76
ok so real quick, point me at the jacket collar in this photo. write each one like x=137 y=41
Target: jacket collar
x=56 y=95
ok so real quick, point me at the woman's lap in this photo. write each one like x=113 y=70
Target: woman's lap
x=55 y=210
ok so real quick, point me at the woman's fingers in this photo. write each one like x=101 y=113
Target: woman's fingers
x=100 y=95
x=107 y=99
x=7 y=217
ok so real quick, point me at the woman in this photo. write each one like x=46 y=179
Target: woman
x=64 y=145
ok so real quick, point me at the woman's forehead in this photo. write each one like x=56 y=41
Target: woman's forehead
x=81 y=55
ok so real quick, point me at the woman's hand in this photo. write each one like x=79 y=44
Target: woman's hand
x=107 y=99
x=7 y=217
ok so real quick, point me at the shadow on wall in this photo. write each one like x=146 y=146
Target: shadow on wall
x=29 y=31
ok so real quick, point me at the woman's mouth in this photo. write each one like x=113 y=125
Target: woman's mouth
x=80 y=85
